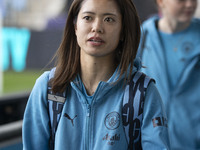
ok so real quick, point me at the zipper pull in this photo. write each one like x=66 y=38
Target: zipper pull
x=88 y=110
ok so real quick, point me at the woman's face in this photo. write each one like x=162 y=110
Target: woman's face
x=179 y=10
x=98 y=27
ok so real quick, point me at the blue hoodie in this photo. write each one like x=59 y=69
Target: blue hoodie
x=88 y=129
x=177 y=74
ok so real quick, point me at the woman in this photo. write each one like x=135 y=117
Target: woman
x=171 y=54
x=93 y=62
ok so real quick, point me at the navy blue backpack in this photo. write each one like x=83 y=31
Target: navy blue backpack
x=132 y=110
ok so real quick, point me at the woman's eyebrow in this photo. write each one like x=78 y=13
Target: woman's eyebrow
x=88 y=12
x=104 y=14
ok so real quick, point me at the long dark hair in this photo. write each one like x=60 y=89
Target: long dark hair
x=68 y=54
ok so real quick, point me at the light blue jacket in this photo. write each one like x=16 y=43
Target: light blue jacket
x=182 y=103
x=90 y=129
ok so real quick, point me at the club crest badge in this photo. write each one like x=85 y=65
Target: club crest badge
x=112 y=121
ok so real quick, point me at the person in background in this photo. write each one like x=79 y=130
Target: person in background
x=170 y=53
x=94 y=63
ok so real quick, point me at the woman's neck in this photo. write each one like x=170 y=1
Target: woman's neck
x=168 y=26
x=94 y=70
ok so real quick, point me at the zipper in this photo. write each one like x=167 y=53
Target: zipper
x=88 y=114
x=87 y=137
x=88 y=110
x=88 y=118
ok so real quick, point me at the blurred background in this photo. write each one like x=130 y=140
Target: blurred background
x=30 y=33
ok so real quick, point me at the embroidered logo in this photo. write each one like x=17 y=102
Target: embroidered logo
x=159 y=121
x=187 y=47
x=112 y=121
x=111 y=139
x=68 y=117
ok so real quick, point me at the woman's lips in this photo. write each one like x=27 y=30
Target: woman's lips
x=96 y=41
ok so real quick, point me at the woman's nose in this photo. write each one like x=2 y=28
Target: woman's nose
x=97 y=26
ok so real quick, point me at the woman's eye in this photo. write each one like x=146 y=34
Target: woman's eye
x=87 y=18
x=109 y=19
x=181 y=1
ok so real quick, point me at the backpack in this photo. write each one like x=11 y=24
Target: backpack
x=132 y=110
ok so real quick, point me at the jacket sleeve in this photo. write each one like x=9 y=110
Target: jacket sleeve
x=36 y=131
x=154 y=131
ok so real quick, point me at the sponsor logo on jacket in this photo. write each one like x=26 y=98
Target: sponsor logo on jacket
x=111 y=139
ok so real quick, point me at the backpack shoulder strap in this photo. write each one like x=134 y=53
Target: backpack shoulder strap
x=132 y=111
x=55 y=106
